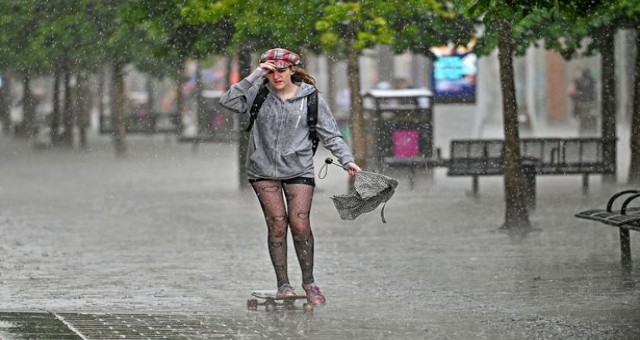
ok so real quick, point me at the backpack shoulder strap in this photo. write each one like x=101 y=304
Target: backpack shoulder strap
x=312 y=114
x=312 y=120
x=263 y=92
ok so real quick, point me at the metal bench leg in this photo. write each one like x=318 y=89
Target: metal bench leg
x=530 y=186
x=585 y=183
x=625 y=252
x=474 y=185
x=531 y=192
x=412 y=177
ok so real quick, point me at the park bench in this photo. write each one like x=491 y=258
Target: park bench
x=625 y=218
x=155 y=122
x=540 y=156
x=213 y=123
x=415 y=163
x=485 y=157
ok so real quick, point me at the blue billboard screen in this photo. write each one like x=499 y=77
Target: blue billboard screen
x=454 y=78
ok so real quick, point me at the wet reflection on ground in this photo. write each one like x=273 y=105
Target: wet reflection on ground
x=162 y=244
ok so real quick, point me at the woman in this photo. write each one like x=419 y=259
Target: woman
x=280 y=158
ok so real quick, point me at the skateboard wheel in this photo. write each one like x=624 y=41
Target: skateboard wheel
x=270 y=307
x=252 y=304
x=288 y=304
x=308 y=307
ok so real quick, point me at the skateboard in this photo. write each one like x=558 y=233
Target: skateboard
x=270 y=302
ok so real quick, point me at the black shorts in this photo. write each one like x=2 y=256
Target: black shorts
x=296 y=180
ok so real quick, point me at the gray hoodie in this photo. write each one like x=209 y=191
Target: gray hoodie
x=279 y=144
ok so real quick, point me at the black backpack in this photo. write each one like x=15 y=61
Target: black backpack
x=312 y=114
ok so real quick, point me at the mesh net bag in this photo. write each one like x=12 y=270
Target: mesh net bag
x=371 y=190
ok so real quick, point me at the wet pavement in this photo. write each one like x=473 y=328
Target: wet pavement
x=163 y=245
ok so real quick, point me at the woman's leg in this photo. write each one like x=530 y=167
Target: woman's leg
x=270 y=196
x=299 y=197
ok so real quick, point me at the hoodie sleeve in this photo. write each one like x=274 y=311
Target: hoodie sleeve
x=240 y=95
x=330 y=135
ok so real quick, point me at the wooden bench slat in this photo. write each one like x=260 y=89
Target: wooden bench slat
x=625 y=219
x=612 y=218
x=548 y=155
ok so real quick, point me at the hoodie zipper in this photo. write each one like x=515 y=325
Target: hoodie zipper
x=281 y=108
x=282 y=115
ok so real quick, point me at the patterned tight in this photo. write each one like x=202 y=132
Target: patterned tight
x=280 y=217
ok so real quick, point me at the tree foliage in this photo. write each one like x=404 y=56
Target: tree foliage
x=171 y=38
x=157 y=36
x=361 y=22
x=21 y=27
x=262 y=24
x=419 y=26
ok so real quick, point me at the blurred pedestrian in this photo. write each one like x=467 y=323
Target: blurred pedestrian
x=280 y=157
x=582 y=91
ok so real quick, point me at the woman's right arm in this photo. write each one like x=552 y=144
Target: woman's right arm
x=239 y=95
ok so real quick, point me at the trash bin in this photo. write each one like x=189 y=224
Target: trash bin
x=399 y=125
x=215 y=122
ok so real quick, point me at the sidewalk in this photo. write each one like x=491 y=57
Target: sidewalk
x=162 y=244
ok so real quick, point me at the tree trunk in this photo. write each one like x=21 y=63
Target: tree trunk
x=203 y=123
x=151 y=95
x=357 y=112
x=102 y=80
x=54 y=122
x=608 y=101
x=244 y=61
x=516 y=212
x=634 y=168
x=228 y=69
x=67 y=116
x=82 y=98
x=331 y=83
x=28 y=109
x=5 y=104
x=120 y=127
x=180 y=101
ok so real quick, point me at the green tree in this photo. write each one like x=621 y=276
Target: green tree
x=116 y=47
x=156 y=38
x=598 y=21
x=78 y=37
x=67 y=36
x=589 y=27
x=19 y=54
x=513 y=26
x=501 y=19
x=171 y=39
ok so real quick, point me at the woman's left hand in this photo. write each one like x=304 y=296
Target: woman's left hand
x=353 y=168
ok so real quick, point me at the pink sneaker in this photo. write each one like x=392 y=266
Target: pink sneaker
x=285 y=290
x=314 y=294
